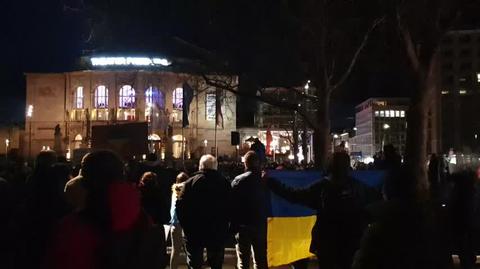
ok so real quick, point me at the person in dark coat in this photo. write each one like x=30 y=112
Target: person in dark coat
x=249 y=214
x=464 y=212
x=259 y=148
x=155 y=206
x=202 y=209
x=404 y=232
x=340 y=203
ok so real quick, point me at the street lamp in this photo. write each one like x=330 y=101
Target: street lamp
x=7 y=143
x=385 y=128
x=29 y=118
x=205 y=142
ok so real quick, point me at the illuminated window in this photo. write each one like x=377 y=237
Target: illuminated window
x=377 y=113
x=210 y=106
x=397 y=113
x=127 y=97
x=402 y=114
x=382 y=113
x=79 y=98
x=387 y=113
x=154 y=98
x=392 y=113
x=462 y=92
x=101 y=97
x=178 y=98
x=478 y=77
x=444 y=92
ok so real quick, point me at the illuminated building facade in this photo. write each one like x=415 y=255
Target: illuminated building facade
x=378 y=122
x=78 y=100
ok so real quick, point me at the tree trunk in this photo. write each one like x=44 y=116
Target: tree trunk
x=321 y=134
x=417 y=118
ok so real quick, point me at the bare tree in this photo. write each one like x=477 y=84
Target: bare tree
x=422 y=25
x=326 y=67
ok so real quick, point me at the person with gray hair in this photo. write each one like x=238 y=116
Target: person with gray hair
x=202 y=210
x=208 y=162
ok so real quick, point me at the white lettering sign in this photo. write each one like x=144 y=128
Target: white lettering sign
x=136 y=61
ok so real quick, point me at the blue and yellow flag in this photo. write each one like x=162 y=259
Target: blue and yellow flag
x=290 y=225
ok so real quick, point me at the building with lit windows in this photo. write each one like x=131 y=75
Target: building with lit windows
x=378 y=122
x=460 y=91
x=78 y=100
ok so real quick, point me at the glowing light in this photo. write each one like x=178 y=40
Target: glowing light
x=368 y=160
x=135 y=61
x=355 y=128
x=205 y=142
x=335 y=136
x=462 y=92
x=68 y=155
x=30 y=111
x=7 y=142
x=444 y=92
x=386 y=126
x=238 y=147
x=144 y=157
x=291 y=157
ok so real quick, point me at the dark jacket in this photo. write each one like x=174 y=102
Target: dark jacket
x=202 y=207
x=402 y=236
x=249 y=201
x=341 y=215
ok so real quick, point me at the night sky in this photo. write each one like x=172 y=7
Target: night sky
x=50 y=36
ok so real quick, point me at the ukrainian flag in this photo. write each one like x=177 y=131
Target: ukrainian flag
x=290 y=225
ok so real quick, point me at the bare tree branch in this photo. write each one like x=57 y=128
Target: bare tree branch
x=261 y=98
x=409 y=46
x=357 y=53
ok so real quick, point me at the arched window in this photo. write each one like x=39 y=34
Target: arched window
x=78 y=141
x=101 y=97
x=78 y=101
x=127 y=97
x=154 y=98
x=178 y=98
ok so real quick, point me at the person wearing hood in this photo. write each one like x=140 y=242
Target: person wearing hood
x=202 y=209
x=176 y=233
x=110 y=231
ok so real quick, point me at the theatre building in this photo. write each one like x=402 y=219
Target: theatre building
x=62 y=109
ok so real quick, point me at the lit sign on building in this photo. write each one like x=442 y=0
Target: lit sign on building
x=134 y=61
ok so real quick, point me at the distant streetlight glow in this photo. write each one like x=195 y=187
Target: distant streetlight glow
x=386 y=126
x=135 y=61
x=354 y=128
x=335 y=136
x=30 y=111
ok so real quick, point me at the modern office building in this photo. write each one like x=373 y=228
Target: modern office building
x=378 y=122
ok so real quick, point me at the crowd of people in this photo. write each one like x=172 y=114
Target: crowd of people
x=108 y=214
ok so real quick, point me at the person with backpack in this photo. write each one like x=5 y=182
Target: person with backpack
x=340 y=202
x=111 y=231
